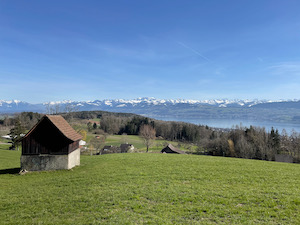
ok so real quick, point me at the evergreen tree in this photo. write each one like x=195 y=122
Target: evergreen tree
x=16 y=134
x=90 y=126
x=94 y=126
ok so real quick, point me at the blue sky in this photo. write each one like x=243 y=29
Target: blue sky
x=87 y=50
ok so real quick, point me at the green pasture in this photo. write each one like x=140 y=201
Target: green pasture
x=4 y=146
x=140 y=188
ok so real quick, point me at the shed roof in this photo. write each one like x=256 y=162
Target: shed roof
x=62 y=125
x=170 y=146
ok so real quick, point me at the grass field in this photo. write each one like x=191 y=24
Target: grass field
x=4 y=146
x=143 y=188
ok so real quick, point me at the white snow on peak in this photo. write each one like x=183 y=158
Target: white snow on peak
x=9 y=102
x=121 y=105
x=108 y=102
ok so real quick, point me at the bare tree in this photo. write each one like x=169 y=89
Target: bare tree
x=96 y=144
x=124 y=138
x=69 y=109
x=148 y=133
x=57 y=108
x=52 y=108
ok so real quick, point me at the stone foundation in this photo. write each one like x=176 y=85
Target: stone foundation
x=50 y=162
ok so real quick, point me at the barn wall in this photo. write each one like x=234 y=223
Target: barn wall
x=73 y=146
x=50 y=162
x=74 y=158
x=46 y=139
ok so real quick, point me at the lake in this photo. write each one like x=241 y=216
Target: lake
x=228 y=123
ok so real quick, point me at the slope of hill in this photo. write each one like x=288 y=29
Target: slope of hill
x=151 y=188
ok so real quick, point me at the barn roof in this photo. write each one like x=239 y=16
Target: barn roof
x=170 y=146
x=62 y=125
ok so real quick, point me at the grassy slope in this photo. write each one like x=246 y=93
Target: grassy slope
x=152 y=188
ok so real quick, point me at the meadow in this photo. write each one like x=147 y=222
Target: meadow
x=139 y=188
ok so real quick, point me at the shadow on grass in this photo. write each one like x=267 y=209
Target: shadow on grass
x=10 y=171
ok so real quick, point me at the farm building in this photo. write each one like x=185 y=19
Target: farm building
x=50 y=145
x=171 y=149
x=108 y=149
x=126 y=147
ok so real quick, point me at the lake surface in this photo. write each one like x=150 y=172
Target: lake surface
x=227 y=123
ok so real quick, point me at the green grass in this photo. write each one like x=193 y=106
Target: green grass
x=4 y=146
x=152 y=188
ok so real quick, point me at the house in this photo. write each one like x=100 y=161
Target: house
x=82 y=143
x=126 y=147
x=108 y=149
x=171 y=149
x=51 y=144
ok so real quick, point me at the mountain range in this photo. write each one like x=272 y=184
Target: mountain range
x=279 y=111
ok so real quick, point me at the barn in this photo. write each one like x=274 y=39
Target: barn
x=51 y=144
x=171 y=149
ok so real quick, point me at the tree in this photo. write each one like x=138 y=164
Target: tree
x=83 y=134
x=96 y=144
x=16 y=134
x=94 y=126
x=148 y=133
x=90 y=126
x=70 y=108
x=124 y=138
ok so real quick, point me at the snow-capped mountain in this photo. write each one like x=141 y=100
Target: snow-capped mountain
x=255 y=110
x=18 y=106
x=142 y=102
x=122 y=104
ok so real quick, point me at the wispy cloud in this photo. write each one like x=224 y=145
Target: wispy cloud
x=193 y=50
x=287 y=69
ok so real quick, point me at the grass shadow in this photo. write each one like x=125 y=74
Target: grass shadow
x=10 y=171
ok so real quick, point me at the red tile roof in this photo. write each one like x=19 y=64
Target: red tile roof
x=62 y=125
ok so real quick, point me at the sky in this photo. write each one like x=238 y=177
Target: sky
x=167 y=49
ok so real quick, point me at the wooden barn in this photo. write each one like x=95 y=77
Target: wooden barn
x=50 y=145
x=171 y=149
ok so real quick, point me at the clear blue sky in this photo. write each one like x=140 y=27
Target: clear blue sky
x=87 y=50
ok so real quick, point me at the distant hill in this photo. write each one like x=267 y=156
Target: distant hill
x=279 y=111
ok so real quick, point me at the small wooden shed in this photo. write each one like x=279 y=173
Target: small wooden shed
x=50 y=145
x=171 y=149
